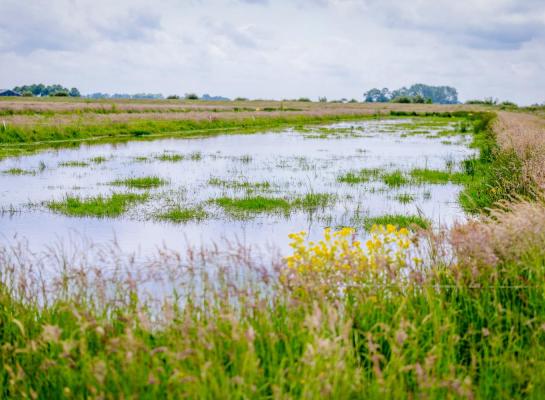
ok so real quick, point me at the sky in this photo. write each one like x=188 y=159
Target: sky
x=275 y=49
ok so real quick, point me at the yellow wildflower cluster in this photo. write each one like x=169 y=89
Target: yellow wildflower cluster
x=339 y=252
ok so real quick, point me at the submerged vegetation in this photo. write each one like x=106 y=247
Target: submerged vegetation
x=262 y=204
x=99 y=206
x=145 y=182
x=181 y=214
x=397 y=220
x=253 y=204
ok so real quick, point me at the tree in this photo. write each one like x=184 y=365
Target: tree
x=74 y=92
x=417 y=93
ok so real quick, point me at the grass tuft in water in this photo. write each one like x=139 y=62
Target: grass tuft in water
x=244 y=185
x=398 y=220
x=312 y=201
x=99 y=206
x=98 y=160
x=146 y=182
x=395 y=179
x=73 y=164
x=434 y=176
x=181 y=214
x=170 y=157
x=404 y=198
x=254 y=204
x=18 y=171
x=361 y=176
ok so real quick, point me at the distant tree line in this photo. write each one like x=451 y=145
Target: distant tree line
x=418 y=93
x=46 y=90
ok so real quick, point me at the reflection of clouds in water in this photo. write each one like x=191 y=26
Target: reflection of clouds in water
x=292 y=163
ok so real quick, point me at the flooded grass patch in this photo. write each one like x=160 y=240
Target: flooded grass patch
x=99 y=206
x=394 y=179
x=263 y=204
x=255 y=204
x=434 y=176
x=180 y=214
x=170 y=157
x=73 y=164
x=98 y=160
x=312 y=201
x=239 y=185
x=404 y=198
x=145 y=182
x=18 y=171
x=361 y=176
x=397 y=220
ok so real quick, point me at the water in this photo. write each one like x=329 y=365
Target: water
x=294 y=162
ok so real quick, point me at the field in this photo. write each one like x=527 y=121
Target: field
x=261 y=249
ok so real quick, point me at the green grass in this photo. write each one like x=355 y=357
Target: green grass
x=312 y=201
x=443 y=333
x=170 y=157
x=99 y=206
x=98 y=160
x=18 y=171
x=395 y=179
x=239 y=185
x=361 y=176
x=398 y=220
x=495 y=175
x=195 y=156
x=254 y=204
x=181 y=214
x=145 y=182
x=263 y=204
x=73 y=164
x=404 y=198
x=426 y=175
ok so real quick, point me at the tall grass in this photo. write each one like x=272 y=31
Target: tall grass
x=335 y=321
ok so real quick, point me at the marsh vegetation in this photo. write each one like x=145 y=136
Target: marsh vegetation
x=406 y=270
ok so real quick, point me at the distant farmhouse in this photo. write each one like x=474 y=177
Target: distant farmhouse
x=8 y=92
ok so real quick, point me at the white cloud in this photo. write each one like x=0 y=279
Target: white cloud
x=276 y=49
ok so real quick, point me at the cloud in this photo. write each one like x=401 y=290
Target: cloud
x=276 y=49
x=68 y=26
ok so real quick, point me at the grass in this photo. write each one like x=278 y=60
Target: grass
x=263 y=204
x=73 y=164
x=170 y=157
x=99 y=206
x=394 y=179
x=254 y=204
x=145 y=182
x=335 y=319
x=18 y=171
x=98 y=160
x=426 y=175
x=404 y=198
x=312 y=201
x=239 y=185
x=397 y=220
x=361 y=176
x=435 y=332
x=181 y=214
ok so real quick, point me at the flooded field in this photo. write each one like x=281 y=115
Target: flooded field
x=252 y=189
